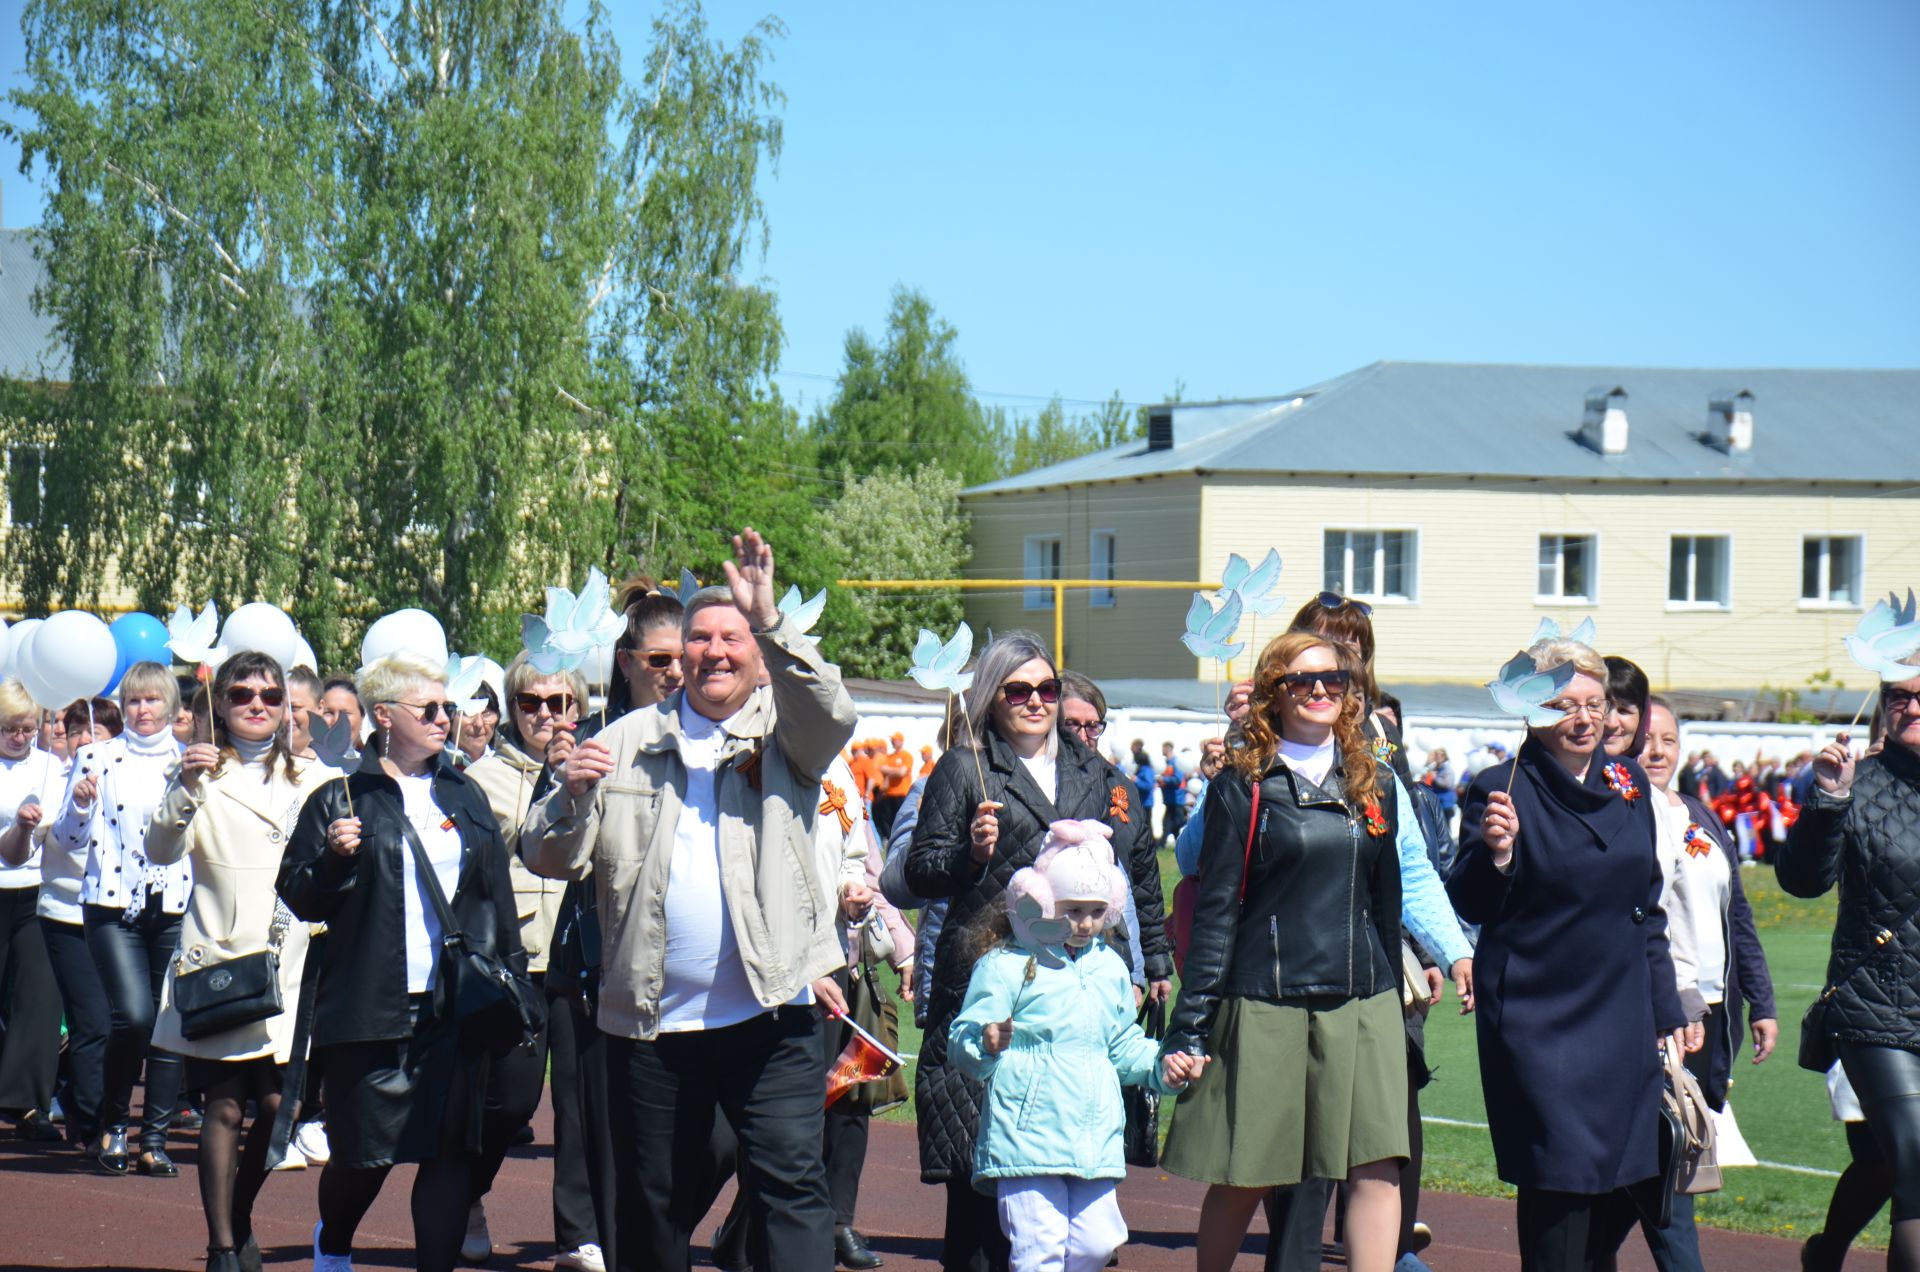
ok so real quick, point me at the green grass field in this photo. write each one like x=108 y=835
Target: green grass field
x=1782 y=1109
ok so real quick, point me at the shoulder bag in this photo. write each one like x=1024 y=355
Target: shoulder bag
x=240 y=991
x=1816 y=1038
x=1689 y=1158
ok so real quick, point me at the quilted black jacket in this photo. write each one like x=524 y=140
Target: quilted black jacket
x=940 y=864
x=1870 y=844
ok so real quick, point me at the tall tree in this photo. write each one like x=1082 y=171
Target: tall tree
x=892 y=525
x=388 y=302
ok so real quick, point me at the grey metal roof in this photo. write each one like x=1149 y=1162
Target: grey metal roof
x=1487 y=420
x=29 y=349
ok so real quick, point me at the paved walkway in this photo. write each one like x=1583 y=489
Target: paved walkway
x=57 y=1211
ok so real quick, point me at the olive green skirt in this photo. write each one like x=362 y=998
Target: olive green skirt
x=1307 y=1089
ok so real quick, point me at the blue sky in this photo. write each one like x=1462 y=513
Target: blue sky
x=1247 y=198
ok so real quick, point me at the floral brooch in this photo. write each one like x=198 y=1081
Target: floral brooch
x=1696 y=841
x=1621 y=780
x=1376 y=821
x=1117 y=804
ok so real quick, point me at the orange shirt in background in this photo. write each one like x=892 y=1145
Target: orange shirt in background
x=863 y=774
x=896 y=774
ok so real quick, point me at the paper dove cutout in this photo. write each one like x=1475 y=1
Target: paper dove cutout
x=191 y=638
x=574 y=626
x=1585 y=634
x=463 y=682
x=1209 y=630
x=333 y=743
x=688 y=585
x=937 y=666
x=803 y=613
x=1522 y=690
x=1886 y=634
x=1254 y=584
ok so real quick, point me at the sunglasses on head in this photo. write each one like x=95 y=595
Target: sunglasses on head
x=1300 y=684
x=241 y=696
x=530 y=703
x=428 y=712
x=1017 y=692
x=1334 y=601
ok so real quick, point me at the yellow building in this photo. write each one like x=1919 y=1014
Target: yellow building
x=1724 y=528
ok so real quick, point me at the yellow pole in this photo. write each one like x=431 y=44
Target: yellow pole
x=1059 y=624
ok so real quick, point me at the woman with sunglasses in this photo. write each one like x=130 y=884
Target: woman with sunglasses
x=646 y=657
x=1292 y=980
x=1576 y=988
x=132 y=907
x=1860 y=829
x=228 y=809
x=983 y=816
x=399 y=1081
x=543 y=713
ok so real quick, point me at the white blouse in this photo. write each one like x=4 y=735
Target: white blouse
x=131 y=772
x=35 y=774
x=1696 y=892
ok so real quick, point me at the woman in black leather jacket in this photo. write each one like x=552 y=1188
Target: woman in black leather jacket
x=1861 y=828
x=1293 y=979
x=399 y=1082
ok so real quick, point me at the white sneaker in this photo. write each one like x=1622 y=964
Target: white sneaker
x=329 y=1262
x=294 y=1160
x=586 y=1259
x=312 y=1139
x=477 y=1245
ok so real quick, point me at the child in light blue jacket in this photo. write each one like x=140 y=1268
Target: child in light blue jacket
x=1049 y=1026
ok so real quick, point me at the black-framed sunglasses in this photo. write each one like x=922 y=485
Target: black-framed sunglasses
x=1334 y=601
x=240 y=696
x=1893 y=700
x=555 y=703
x=1016 y=692
x=1088 y=729
x=428 y=712
x=1301 y=684
x=659 y=659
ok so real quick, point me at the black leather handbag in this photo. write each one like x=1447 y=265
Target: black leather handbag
x=496 y=1007
x=1142 y=1103
x=240 y=991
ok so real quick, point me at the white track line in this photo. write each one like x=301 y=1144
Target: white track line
x=1787 y=1166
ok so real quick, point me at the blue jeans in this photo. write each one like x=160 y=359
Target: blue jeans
x=1676 y=1247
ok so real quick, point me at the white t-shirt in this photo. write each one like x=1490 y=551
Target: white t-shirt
x=441 y=839
x=1310 y=762
x=36 y=774
x=1699 y=887
x=1045 y=767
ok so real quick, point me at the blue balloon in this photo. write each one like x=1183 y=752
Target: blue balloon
x=138 y=638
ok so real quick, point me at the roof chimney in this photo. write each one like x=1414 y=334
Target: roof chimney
x=1730 y=421
x=1160 y=429
x=1604 y=425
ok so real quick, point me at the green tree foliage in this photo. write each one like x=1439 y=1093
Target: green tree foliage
x=892 y=525
x=379 y=302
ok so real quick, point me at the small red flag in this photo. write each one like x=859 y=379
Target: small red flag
x=866 y=1059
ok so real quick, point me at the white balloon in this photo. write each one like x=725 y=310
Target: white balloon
x=73 y=656
x=262 y=628
x=407 y=631
x=305 y=658
x=15 y=636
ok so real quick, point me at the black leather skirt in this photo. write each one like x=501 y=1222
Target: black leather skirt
x=400 y=1100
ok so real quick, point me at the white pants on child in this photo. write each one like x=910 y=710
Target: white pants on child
x=1056 y=1223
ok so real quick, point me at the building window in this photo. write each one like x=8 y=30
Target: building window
x=1830 y=570
x=26 y=482
x=1043 y=562
x=1374 y=565
x=1566 y=567
x=1103 y=558
x=1697 y=571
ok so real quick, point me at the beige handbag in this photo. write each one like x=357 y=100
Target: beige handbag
x=1697 y=1168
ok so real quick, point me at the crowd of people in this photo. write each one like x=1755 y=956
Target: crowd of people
x=672 y=915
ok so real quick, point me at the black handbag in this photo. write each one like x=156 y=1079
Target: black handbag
x=240 y=991
x=1816 y=1039
x=496 y=1007
x=1142 y=1103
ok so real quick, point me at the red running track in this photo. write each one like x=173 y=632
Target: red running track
x=58 y=1211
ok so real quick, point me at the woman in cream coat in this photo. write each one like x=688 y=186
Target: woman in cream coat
x=230 y=807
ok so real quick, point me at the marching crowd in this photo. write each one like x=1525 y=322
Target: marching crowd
x=675 y=914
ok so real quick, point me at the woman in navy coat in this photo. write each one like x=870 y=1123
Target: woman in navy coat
x=1574 y=986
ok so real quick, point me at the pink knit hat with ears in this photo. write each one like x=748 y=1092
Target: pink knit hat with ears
x=1075 y=863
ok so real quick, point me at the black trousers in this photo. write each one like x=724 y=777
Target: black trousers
x=763 y=1077
x=1576 y=1232
x=30 y=1004
x=514 y=1084
x=132 y=961
x=88 y=1021
x=1887 y=1080
x=974 y=1240
x=583 y=1166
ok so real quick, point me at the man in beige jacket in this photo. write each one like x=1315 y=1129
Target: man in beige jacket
x=697 y=817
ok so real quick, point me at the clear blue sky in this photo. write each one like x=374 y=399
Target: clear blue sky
x=1246 y=198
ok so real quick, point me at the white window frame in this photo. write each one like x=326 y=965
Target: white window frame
x=1708 y=607
x=1374 y=598
x=1860 y=577
x=1103 y=597
x=1040 y=598
x=1563 y=597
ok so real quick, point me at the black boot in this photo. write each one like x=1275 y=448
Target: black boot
x=850 y=1249
x=223 y=1259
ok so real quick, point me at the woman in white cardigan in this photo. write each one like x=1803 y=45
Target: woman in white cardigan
x=131 y=907
x=229 y=808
